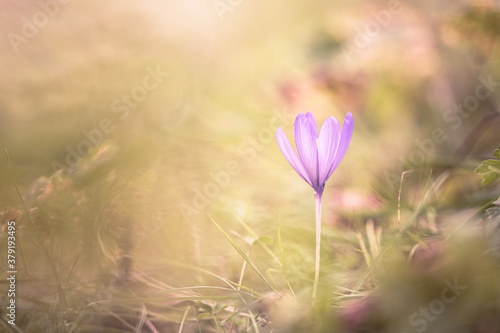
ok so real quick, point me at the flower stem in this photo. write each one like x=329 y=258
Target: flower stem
x=318 y=196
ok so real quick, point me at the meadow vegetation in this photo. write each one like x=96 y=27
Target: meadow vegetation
x=140 y=166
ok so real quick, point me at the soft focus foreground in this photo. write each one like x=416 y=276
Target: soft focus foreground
x=153 y=196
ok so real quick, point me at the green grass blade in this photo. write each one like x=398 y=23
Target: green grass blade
x=183 y=319
x=242 y=253
x=254 y=234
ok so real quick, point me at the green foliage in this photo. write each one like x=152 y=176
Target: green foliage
x=102 y=243
x=489 y=170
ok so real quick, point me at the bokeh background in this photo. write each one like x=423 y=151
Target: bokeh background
x=131 y=127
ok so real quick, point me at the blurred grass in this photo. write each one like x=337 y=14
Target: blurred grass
x=130 y=257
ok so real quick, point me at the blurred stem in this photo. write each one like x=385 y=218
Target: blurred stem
x=318 y=196
x=240 y=281
x=39 y=239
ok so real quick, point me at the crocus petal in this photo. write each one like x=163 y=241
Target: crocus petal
x=345 y=139
x=290 y=154
x=305 y=140
x=312 y=121
x=328 y=143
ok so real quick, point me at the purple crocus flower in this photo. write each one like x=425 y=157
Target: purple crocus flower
x=318 y=156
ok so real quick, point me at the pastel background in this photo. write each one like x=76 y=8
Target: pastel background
x=131 y=127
